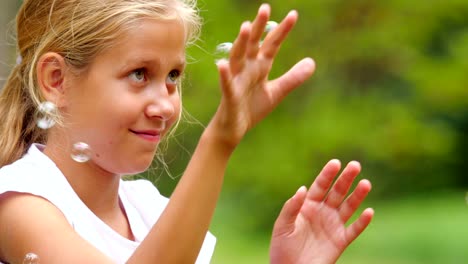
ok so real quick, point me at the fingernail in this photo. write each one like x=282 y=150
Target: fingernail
x=264 y=5
x=293 y=12
x=356 y=163
x=245 y=24
x=310 y=60
x=301 y=189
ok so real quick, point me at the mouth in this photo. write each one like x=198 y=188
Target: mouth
x=148 y=135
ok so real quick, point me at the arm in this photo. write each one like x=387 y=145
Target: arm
x=247 y=98
x=30 y=224
x=311 y=226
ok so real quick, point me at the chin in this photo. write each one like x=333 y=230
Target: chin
x=139 y=167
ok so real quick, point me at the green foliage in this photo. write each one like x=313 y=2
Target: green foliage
x=417 y=230
x=389 y=91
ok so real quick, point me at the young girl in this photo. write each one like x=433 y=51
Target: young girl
x=96 y=90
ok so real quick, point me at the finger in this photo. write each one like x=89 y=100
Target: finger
x=258 y=27
x=352 y=203
x=237 y=53
x=224 y=77
x=339 y=190
x=356 y=228
x=287 y=217
x=272 y=42
x=322 y=183
x=296 y=76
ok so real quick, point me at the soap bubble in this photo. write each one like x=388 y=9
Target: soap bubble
x=81 y=152
x=47 y=111
x=222 y=51
x=31 y=258
x=270 y=26
x=224 y=47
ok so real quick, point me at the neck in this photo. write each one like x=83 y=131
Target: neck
x=97 y=188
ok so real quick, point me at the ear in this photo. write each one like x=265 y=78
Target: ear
x=51 y=72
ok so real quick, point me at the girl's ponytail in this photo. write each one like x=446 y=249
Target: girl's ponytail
x=17 y=113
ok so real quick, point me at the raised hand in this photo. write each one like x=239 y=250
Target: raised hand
x=248 y=95
x=311 y=226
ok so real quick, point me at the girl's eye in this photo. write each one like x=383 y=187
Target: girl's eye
x=138 y=75
x=173 y=77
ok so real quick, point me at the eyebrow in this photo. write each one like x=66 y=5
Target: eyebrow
x=179 y=63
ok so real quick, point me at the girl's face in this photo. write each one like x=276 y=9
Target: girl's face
x=119 y=104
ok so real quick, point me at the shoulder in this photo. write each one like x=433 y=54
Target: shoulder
x=35 y=175
x=32 y=163
x=29 y=223
x=14 y=205
x=21 y=176
x=16 y=213
x=18 y=167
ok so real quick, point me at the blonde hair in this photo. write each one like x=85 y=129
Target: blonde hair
x=78 y=30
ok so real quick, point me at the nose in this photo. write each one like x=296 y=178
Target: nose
x=161 y=106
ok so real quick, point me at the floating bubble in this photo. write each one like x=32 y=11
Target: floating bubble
x=81 y=152
x=46 y=112
x=270 y=26
x=222 y=50
x=224 y=47
x=31 y=258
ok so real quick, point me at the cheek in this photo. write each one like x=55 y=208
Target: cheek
x=177 y=104
x=103 y=119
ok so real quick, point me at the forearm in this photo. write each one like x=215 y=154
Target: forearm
x=179 y=233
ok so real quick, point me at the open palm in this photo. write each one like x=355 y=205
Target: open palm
x=311 y=227
x=248 y=95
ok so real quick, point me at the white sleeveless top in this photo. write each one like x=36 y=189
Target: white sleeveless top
x=36 y=174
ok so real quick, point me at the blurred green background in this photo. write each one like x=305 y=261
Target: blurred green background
x=390 y=90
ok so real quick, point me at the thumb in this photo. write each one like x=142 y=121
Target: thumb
x=297 y=75
x=287 y=217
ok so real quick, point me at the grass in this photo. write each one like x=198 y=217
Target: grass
x=429 y=230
